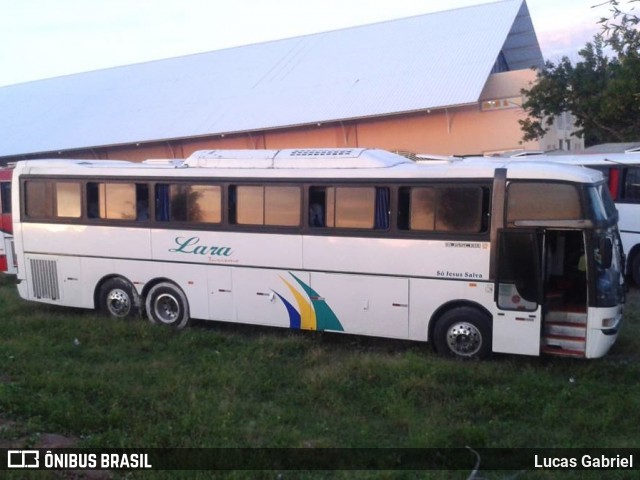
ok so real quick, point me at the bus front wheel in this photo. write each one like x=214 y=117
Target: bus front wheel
x=117 y=298
x=463 y=332
x=167 y=304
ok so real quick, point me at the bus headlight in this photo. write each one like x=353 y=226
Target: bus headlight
x=608 y=322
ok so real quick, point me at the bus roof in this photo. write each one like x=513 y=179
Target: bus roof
x=594 y=159
x=323 y=158
x=309 y=163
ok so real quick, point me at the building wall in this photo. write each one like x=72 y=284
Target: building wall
x=459 y=131
x=561 y=136
x=463 y=130
x=489 y=126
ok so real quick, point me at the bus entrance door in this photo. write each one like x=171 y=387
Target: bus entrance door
x=518 y=293
x=565 y=319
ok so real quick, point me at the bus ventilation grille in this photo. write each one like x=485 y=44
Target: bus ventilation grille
x=330 y=152
x=44 y=275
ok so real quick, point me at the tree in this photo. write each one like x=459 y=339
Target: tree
x=602 y=90
x=621 y=29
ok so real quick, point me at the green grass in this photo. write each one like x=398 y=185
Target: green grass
x=113 y=384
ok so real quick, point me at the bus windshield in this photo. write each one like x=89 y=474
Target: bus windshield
x=608 y=261
x=601 y=205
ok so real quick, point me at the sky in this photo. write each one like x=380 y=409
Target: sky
x=49 y=38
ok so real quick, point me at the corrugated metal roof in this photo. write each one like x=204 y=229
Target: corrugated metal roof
x=424 y=62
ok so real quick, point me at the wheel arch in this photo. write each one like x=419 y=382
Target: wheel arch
x=152 y=283
x=105 y=279
x=452 y=305
x=176 y=312
x=633 y=254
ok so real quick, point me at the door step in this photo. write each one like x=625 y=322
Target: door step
x=561 y=352
x=565 y=342
x=564 y=329
x=566 y=316
x=565 y=334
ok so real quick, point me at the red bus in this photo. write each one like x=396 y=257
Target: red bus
x=7 y=257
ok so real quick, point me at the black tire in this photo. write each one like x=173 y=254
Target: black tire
x=463 y=332
x=166 y=304
x=117 y=298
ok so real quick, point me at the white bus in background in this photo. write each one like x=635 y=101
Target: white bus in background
x=622 y=176
x=7 y=258
x=511 y=257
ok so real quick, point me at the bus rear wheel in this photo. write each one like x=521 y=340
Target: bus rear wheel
x=463 y=332
x=166 y=304
x=117 y=298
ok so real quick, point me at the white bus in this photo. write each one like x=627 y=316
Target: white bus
x=622 y=175
x=7 y=258
x=514 y=257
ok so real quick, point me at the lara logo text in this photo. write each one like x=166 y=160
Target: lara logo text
x=192 y=246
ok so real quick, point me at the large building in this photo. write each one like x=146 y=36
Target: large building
x=443 y=83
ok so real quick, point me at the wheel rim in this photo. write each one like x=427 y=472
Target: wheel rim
x=464 y=339
x=167 y=308
x=118 y=303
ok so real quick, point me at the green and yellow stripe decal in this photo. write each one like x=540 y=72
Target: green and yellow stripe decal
x=312 y=312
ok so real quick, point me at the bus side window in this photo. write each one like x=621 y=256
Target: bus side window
x=51 y=199
x=456 y=209
x=317 y=207
x=232 y=200
x=6 y=197
x=316 y=215
x=188 y=203
x=282 y=205
x=554 y=201
x=265 y=205
x=142 y=202
x=519 y=286
x=422 y=209
x=38 y=201
x=163 y=203
x=93 y=202
x=112 y=201
x=349 y=207
x=459 y=209
x=631 y=186
x=354 y=207
x=68 y=202
x=382 y=208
